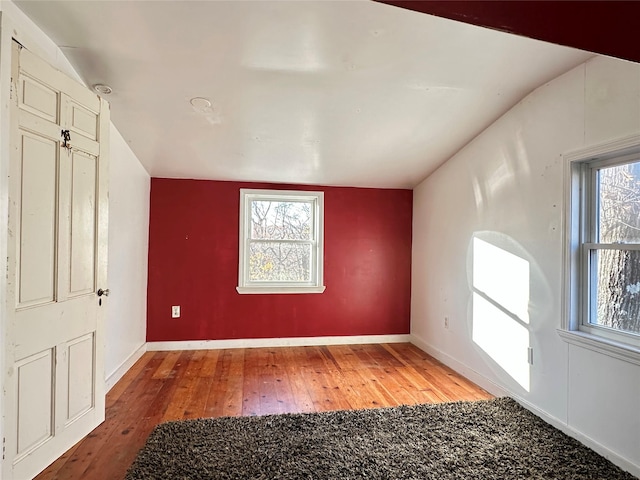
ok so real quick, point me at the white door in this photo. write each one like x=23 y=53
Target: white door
x=54 y=383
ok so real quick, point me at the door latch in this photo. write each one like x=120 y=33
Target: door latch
x=66 y=138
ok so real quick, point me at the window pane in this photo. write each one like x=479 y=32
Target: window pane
x=619 y=203
x=273 y=220
x=617 y=289
x=279 y=262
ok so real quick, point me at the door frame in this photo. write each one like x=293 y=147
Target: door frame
x=6 y=40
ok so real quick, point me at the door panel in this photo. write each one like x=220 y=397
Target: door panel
x=39 y=99
x=35 y=400
x=81 y=369
x=37 y=228
x=54 y=347
x=83 y=121
x=83 y=224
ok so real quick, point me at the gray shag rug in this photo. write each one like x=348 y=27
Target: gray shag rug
x=493 y=439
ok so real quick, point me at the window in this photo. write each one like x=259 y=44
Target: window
x=603 y=261
x=281 y=241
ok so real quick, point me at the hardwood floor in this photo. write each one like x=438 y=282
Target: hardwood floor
x=164 y=386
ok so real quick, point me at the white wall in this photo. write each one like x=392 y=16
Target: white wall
x=126 y=328
x=506 y=189
x=129 y=187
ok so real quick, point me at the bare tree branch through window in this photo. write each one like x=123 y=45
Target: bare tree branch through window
x=617 y=270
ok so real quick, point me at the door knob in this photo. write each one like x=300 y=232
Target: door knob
x=102 y=292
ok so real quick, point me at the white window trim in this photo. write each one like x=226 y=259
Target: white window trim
x=571 y=329
x=317 y=285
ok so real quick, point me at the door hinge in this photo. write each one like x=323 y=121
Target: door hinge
x=11 y=90
x=4 y=446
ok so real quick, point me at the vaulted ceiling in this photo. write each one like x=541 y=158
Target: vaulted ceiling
x=352 y=93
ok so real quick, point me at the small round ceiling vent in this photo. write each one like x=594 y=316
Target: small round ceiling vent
x=200 y=103
x=102 y=89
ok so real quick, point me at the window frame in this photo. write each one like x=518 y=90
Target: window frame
x=316 y=284
x=580 y=241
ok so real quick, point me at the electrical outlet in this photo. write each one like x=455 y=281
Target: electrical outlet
x=446 y=322
x=175 y=311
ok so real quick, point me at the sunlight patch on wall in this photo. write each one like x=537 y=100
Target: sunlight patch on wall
x=503 y=277
x=501 y=308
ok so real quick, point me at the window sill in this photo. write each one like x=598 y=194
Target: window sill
x=611 y=348
x=277 y=290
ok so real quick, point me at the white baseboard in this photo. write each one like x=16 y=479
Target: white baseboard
x=616 y=459
x=275 y=342
x=469 y=373
x=501 y=391
x=113 y=378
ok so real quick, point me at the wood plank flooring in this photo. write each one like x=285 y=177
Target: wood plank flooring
x=164 y=386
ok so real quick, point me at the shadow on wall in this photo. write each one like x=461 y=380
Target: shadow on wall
x=500 y=280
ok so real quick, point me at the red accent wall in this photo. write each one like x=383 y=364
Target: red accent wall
x=193 y=262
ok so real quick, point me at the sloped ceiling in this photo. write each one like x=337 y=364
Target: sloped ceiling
x=351 y=93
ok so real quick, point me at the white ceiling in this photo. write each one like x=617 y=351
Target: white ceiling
x=333 y=93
